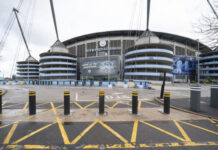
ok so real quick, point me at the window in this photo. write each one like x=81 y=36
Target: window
x=180 y=51
x=72 y=50
x=115 y=43
x=127 y=44
x=190 y=53
x=91 y=49
x=81 y=50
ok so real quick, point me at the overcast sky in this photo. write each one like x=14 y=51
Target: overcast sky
x=79 y=17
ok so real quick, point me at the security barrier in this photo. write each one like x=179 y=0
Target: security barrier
x=101 y=102
x=195 y=98
x=0 y=101
x=167 y=102
x=66 y=102
x=32 y=102
x=134 y=102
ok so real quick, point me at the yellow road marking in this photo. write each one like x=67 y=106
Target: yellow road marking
x=25 y=106
x=83 y=133
x=36 y=147
x=199 y=127
x=3 y=103
x=53 y=108
x=42 y=104
x=151 y=103
x=77 y=104
x=113 y=132
x=164 y=131
x=114 y=105
x=89 y=105
x=139 y=105
x=211 y=120
x=13 y=105
x=63 y=132
x=10 y=133
x=182 y=131
x=45 y=111
x=32 y=133
x=134 y=132
x=107 y=106
x=5 y=126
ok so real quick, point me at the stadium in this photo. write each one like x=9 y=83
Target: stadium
x=135 y=55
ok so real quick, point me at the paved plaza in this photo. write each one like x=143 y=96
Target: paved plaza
x=84 y=128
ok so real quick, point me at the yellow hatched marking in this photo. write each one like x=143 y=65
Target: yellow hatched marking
x=63 y=132
x=107 y=106
x=89 y=105
x=113 y=132
x=211 y=120
x=182 y=131
x=25 y=106
x=151 y=103
x=5 y=126
x=42 y=104
x=13 y=105
x=164 y=131
x=33 y=133
x=134 y=132
x=216 y=133
x=3 y=103
x=214 y=119
x=10 y=133
x=114 y=105
x=36 y=147
x=77 y=104
x=53 y=108
x=12 y=146
x=83 y=133
x=140 y=104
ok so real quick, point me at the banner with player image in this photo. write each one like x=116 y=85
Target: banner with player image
x=183 y=65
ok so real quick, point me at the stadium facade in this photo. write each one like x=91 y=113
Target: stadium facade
x=140 y=57
x=122 y=55
x=209 y=65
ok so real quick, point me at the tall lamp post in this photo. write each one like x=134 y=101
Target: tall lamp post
x=198 y=72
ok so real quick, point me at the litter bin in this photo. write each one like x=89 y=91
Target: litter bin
x=214 y=96
x=195 y=98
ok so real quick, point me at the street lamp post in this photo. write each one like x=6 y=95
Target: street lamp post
x=198 y=72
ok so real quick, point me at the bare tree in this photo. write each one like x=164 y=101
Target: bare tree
x=208 y=25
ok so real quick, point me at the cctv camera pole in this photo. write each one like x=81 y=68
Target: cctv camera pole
x=148 y=13
x=54 y=19
x=163 y=86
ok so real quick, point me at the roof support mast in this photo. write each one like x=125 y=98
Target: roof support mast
x=148 y=13
x=53 y=15
x=21 y=30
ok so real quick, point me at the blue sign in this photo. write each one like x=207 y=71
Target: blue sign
x=183 y=65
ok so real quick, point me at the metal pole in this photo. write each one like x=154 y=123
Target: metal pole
x=32 y=102
x=21 y=30
x=198 y=83
x=166 y=102
x=148 y=13
x=53 y=15
x=101 y=102
x=66 y=102
x=163 y=86
x=0 y=101
x=212 y=9
x=134 y=102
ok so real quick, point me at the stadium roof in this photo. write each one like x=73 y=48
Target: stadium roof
x=167 y=36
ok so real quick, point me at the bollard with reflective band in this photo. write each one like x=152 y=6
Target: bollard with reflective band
x=66 y=102
x=195 y=98
x=0 y=101
x=101 y=102
x=214 y=96
x=167 y=102
x=32 y=102
x=134 y=102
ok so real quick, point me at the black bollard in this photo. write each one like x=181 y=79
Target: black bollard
x=167 y=102
x=101 y=102
x=66 y=102
x=0 y=101
x=32 y=102
x=134 y=102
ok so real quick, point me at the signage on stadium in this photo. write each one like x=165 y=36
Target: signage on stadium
x=103 y=49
